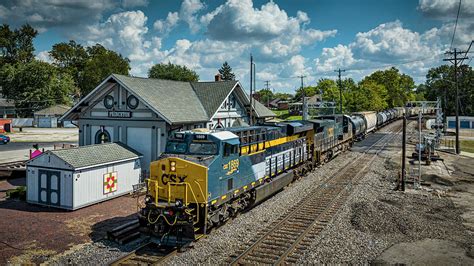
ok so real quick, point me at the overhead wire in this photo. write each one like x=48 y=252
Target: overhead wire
x=455 y=25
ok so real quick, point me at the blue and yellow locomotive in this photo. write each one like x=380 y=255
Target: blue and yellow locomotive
x=205 y=178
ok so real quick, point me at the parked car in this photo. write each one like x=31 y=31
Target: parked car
x=4 y=139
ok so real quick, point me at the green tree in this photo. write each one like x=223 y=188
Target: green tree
x=440 y=83
x=283 y=96
x=369 y=96
x=226 y=72
x=172 y=72
x=70 y=57
x=16 y=46
x=100 y=63
x=266 y=96
x=399 y=86
x=329 y=90
x=308 y=92
x=35 y=85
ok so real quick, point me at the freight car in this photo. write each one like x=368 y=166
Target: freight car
x=205 y=178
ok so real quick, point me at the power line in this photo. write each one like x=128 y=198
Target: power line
x=455 y=25
x=467 y=51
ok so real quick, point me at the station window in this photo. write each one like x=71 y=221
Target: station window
x=102 y=137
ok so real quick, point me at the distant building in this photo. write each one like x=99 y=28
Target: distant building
x=465 y=122
x=141 y=112
x=315 y=100
x=273 y=103
x=48 y=117
x=283 y=105
x=7 y=108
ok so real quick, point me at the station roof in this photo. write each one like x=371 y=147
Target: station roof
x=179 y=102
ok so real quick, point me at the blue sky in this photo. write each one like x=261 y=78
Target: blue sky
x=287 y=38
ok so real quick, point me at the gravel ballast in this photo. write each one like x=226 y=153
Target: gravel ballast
x=373 y=218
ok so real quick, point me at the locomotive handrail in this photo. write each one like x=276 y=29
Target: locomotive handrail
x=157 y=188
x=186 y=185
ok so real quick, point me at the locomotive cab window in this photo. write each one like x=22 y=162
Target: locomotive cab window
x=203 y=148
x=176 y=147
x=230 y=149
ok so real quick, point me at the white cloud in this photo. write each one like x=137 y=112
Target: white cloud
x=44 y=56
x=335 y=57
x=238 y=19
x=64 y=14
x=126 y=33
x=295 y=66
x=389 y=44
x=188 y=11
x=165 y=26
x=446 y=9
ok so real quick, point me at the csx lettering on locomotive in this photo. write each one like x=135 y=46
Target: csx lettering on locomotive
x=165 y=178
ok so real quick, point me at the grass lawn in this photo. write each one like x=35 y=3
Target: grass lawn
x=467 y=145
x=280 y=112
x=294 y=117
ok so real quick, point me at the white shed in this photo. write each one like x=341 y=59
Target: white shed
x=78 y=177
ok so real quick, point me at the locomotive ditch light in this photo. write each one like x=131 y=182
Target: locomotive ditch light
x=172 y=166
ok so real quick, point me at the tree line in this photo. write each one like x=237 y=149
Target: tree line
x=390 y=88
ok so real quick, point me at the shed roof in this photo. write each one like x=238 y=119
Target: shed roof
x=59 y=109
x=92 y=155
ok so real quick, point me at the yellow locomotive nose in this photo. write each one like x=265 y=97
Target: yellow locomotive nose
x=173 y=179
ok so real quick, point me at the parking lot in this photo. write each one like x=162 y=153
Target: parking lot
x=47 y=138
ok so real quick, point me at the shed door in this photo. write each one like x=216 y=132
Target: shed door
x=48 y=182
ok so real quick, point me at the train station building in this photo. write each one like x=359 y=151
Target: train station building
x=141 y=112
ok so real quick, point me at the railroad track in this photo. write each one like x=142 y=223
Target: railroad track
x=148 y=254
x=16 y=165
x=285 y=240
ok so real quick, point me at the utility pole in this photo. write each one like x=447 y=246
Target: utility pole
x=340 y=87
x=404 y=137
x=455 y=60
x=251 y=90
x=267 y=86
x=305 y=112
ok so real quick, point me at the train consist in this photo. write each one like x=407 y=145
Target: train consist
x=205 y=178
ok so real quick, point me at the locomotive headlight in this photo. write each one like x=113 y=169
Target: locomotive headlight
x=173 y=166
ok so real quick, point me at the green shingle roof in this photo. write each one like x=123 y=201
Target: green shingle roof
x=180 y=102
x=212 y=94
x=261 y=110
x=59 y=109
x=91 y=155
x=175 y=100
